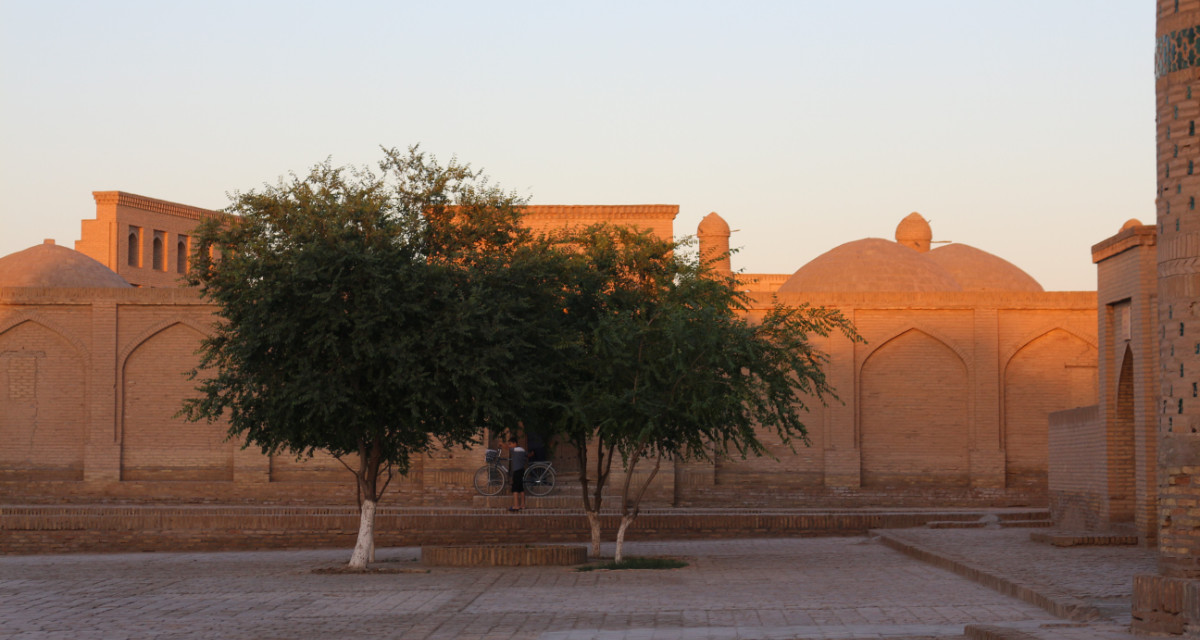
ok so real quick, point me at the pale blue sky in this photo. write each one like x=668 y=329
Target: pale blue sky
x=1022 y=127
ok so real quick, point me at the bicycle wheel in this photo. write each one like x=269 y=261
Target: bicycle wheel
x=539 y=480
x=490 y=480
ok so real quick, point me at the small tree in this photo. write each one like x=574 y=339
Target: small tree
x=372 y=316
x=667 y=365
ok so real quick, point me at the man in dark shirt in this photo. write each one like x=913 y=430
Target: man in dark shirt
x=517 y=459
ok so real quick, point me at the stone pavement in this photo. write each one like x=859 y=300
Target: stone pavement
x=817 y=588
x=1085 y=584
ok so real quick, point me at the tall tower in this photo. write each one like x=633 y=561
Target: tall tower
x=1177 y=99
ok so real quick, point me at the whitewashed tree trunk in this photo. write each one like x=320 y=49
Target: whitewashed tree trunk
x=625 y=522
x=364 y=548
x=594 y=521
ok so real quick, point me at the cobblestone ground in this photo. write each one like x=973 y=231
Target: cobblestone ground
x=818 y=588
x=1098 y=576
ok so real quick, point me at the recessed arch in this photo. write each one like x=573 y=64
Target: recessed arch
x=43 y=401
x=913 y=407
x=146 y=334
x=963 y=355
x=1031 y=336
x=157 y=444
x=12 y=322
x=1122 y=447
x=1056 y=370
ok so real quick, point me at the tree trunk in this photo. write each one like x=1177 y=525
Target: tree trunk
x=630 y=506
x=594 y=520
x=626 y=520
x=363 y=549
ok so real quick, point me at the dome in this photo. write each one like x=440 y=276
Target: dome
x=49 y=265
x=871 y=264
x=914 y=232
x=978 y=270
x=713 y=225
x=1131 y=224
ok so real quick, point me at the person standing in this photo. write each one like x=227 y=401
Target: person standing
x=517 y=459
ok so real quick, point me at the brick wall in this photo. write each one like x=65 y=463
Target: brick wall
x=158 y=528
x=42 y=404
x=1078 y=478
x=913 y=406
x=1128 y=369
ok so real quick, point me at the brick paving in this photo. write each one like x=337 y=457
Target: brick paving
x=818 y=588
x=1093 y=584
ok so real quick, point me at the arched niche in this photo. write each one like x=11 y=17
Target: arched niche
x=1121 y=447
x=913 y=414
x=1053 y=372
x=155 y=444
x=43 y=411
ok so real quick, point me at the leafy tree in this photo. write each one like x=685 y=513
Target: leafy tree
x=373 y=316
x=666 y=364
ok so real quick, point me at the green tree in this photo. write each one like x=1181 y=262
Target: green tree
x=372 y=315
x=665 y=364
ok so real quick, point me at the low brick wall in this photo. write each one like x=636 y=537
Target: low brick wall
x=61 y=529
x=1078 y=469
x=509 y=555
x=1166 y=605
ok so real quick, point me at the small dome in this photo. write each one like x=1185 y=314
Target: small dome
x=713 y=225
x=914 y=232
x=871 y=264
x=1131 y=223
x=978 y=270
x=49 y=265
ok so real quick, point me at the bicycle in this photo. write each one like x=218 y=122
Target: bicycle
x=492 y=477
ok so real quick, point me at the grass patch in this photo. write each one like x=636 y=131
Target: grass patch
x=637 y=562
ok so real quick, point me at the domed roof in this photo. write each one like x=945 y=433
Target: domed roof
x=713 y=224
x=978 y=270
x=914 y=232
x=871 y=264
x=1131 y=223
x=49 y=265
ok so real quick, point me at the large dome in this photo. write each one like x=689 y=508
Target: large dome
x=871 y=264
x=49 y=265
x=978 y=270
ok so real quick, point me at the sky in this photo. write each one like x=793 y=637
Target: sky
x=1022 y=127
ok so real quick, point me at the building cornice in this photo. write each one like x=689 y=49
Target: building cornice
x=593 y=212
x=1138 y=236
x=121 y=198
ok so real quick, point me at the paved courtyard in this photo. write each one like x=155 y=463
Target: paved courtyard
x=819 y=588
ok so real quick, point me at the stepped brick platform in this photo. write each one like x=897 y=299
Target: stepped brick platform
x=1084 y=538
x=507 y=555
x=34 y=529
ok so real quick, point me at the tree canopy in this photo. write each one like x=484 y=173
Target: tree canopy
x=373 y=315
x=665 y=362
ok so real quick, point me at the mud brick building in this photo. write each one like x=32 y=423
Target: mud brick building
x=946 y=403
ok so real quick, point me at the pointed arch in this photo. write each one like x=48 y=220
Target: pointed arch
x=1053 y=371
x=12 y=322
x=43 y=400
x=156 y=444
x=155 y=329
x=913 y=413
x=964 y=355
x=1032 y=336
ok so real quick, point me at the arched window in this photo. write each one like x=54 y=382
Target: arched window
x=181 y=255
x=158 y=252
x=135 y=246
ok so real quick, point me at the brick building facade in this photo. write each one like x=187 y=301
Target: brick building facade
x=945 y=404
